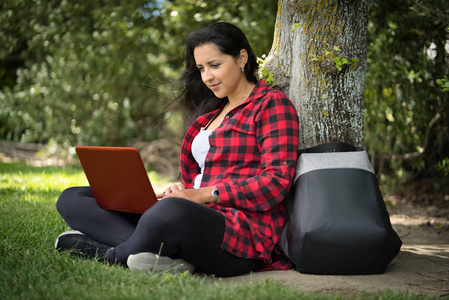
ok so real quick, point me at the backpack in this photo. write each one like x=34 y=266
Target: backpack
x=338 y=222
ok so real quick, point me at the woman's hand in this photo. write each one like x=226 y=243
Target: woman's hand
x=169 y=190
x=202 y=195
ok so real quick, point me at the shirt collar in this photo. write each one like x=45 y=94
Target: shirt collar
x=258 y=92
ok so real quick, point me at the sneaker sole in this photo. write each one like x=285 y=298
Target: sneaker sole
x=146 y=262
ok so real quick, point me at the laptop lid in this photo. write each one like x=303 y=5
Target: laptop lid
x=117 y=177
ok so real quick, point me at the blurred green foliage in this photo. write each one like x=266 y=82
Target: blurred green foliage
x=406 y=112
x=101 y=72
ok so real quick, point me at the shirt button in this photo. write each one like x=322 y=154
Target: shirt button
x=211 y=134
x=284 y=163
x=207 y=160
x=227 y=117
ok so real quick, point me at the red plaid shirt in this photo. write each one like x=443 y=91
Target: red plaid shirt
x=251 y=161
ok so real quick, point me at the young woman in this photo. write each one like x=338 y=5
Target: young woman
x=237 y=164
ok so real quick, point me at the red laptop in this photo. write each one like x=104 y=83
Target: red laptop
x=117 y=177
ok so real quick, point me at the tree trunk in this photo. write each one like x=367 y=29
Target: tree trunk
x=318 y=59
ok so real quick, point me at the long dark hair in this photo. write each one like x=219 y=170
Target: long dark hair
x=194 y=98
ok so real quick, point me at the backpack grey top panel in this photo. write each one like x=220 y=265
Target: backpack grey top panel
x=308 y=162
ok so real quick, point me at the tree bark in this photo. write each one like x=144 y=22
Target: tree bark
x=318 y=59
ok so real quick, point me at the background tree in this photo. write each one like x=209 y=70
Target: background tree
x=319 y=59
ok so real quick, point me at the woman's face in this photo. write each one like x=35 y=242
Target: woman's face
x=220 y=72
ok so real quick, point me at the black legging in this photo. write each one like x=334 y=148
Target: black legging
x=186 y=229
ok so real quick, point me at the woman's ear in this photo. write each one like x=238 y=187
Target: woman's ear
x=243 y=58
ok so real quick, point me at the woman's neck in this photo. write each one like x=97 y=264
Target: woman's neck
x=245 y=91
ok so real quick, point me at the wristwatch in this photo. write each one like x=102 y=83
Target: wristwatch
x=215 y=194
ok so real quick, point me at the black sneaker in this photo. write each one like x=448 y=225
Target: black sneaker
x=80 y=245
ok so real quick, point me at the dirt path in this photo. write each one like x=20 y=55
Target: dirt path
x=421 y=267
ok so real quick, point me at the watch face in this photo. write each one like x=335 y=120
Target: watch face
x=215 y=193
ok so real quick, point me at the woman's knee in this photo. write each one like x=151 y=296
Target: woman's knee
x=168 y=213
x=63 y=200
x=178 y=216
x=68 y=199
x=174 y=202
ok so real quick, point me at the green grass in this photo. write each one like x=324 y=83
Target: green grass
x=30 y=267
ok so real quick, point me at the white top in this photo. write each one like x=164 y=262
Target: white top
x=200 y=148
